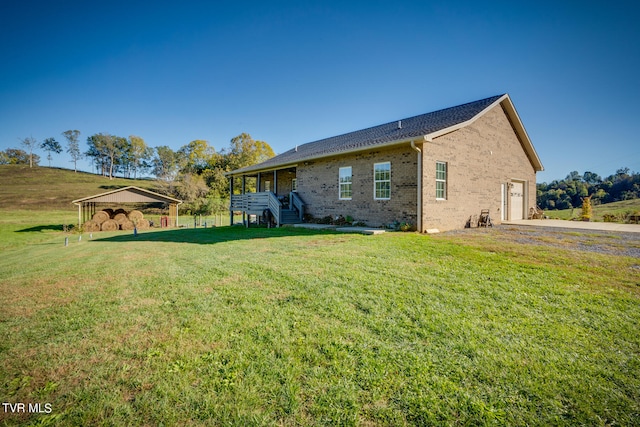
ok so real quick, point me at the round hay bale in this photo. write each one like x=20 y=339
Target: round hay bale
x=143 y=224
x=127 y=225
x=109 y=211
x=100 y=217
x=120 y=218
x=135 y=215
x=110 y=225
x=90 y=226
x=118 y=211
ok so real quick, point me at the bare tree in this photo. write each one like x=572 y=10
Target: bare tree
x=29 y=143
x=73 y=147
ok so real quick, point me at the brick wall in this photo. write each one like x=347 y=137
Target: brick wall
x=479 y=158
x=318 y=187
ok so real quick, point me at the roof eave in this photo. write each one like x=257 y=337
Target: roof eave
x=324 y=156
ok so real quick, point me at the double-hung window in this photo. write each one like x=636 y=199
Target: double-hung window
x=345 y=180
x=441 y=180
x=382 y=181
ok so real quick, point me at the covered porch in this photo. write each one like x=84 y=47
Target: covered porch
x=269 y=195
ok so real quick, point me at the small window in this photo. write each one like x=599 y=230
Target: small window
x=382 y=181
x=267 y=186
x=441 y=180
x=294 y=185
x=344 y=181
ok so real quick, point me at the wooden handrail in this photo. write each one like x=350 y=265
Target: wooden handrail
x=297 y=204
x=256 y=203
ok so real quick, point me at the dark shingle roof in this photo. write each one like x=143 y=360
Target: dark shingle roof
x=412 y=127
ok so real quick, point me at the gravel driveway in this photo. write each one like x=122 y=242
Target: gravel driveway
x=605 y=242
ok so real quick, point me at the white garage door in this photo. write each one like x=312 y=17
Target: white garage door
x=517 y=200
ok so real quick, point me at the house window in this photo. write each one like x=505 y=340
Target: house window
x=382 y=181
x=441 y=180
x=294 y=185
x=344 y=182
x=267 y=186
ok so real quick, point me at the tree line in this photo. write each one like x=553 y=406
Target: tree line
x=568 y=193
x=194 y=173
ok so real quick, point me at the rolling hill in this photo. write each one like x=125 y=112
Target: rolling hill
x=620 y=210
x=44 y=188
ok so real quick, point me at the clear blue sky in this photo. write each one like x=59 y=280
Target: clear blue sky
x=293 y=72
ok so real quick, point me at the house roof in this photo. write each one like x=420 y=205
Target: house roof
x=129 y=194
x=428 y=126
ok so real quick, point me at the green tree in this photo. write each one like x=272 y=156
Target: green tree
x=166 y=164
x=245 y=151
x=73 y=146
x=29 y=143
x=138 y=153
x=107 y=150
x=50 y=145
x=16 y=156
x=195 y=156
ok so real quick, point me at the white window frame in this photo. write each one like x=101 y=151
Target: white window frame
x=377 y=181
x=267 y=185
x=440 y=180
x=294 y=185
x=343 y=173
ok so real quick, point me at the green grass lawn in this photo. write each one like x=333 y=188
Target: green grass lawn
x=235 y=326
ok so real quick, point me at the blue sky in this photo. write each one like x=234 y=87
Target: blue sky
x=294 y=72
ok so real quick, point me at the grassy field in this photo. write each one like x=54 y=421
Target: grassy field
x=620 y=209
x=229 y=326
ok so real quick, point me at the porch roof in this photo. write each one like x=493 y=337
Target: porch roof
x=428 y=126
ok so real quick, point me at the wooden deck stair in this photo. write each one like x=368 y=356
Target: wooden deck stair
x=289 y=217
x=257 y=203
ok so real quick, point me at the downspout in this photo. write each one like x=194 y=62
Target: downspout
x=419 y=186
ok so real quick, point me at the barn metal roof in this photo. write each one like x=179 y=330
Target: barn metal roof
x=129 y=194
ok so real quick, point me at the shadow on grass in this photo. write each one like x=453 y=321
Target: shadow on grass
x=49 y=227
x=112 y=187
x=213 y=235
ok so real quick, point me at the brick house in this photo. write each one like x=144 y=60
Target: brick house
x=435 y=171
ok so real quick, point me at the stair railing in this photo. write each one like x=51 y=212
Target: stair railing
x=297 y=204
x=275 y=206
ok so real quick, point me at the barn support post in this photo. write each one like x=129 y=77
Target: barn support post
x=230 y=196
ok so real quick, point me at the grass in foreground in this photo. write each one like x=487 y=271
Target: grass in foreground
x=289 y=327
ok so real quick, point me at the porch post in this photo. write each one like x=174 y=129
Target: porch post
x=275 y=182
x=258 y=184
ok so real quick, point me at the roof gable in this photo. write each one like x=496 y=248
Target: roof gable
x=129 y=194
x=429 y=126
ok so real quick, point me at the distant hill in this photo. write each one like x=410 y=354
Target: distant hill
x=44 y=188
x=620 y=210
